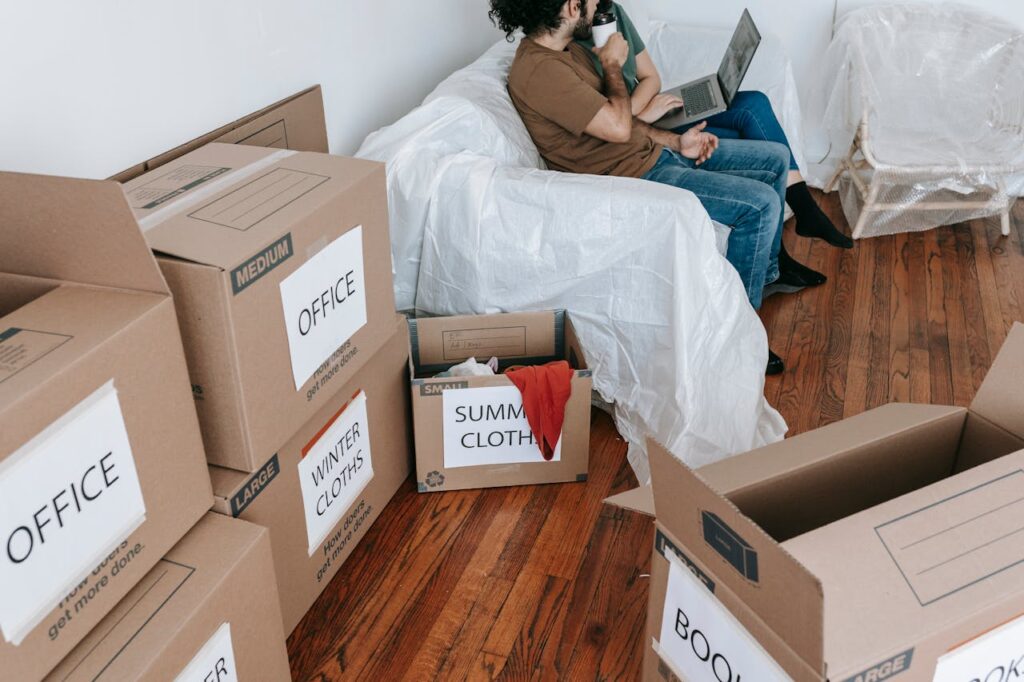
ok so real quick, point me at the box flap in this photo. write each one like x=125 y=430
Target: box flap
x=784 y=594
x=638 y=499
x=75 y=231
x=1000 y=398
x=221 y=203
x=526 y=338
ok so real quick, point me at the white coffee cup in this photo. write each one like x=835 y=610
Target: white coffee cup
x=603 y=31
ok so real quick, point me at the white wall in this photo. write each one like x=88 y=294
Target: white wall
x=90 y=87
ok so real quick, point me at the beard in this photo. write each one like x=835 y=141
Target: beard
x=584 y=29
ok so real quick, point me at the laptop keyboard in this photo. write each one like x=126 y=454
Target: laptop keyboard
x=698 y=98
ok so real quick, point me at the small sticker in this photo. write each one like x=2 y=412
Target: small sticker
x=485 y=426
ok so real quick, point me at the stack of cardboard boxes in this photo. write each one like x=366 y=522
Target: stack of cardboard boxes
x=294 y=359
x=280 y=266
x=102 y=472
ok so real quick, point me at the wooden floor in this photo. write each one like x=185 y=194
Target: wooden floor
x=545 y=583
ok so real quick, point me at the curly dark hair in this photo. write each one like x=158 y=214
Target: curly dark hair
x=529 y=15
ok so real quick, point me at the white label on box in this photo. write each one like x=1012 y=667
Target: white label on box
x=67 y=498
x=324 y=303
x=215 y=662
x=488 y=425
x=335 y=468
x=703 y=641
x=996 y=656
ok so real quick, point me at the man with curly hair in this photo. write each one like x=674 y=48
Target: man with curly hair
x=582 y=122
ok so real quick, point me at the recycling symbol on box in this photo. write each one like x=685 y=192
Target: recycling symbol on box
x=435 y=479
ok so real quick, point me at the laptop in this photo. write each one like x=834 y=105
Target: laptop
x=714 y=93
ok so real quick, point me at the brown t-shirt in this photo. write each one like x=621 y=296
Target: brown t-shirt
x=557 y=95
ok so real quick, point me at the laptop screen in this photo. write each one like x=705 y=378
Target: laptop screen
x=738 y=56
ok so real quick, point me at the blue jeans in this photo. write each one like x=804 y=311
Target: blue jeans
x=742 y=185
x=749 y=117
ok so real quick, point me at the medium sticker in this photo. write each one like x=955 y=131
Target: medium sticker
x=488 y=426
x=324 y=303
x=335 y=468
x=67 y=498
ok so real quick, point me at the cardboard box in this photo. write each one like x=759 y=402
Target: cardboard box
x=101 y=462
x=296 y=122
x=207 y=612
x=472 y=432
x=321 y=491
x=280 y=265
x=884 y=545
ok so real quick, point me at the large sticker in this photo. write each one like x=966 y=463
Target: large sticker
x=324 y=303
x=335 y=468
x=488 y=426
x=67 y=498
x=702 y=641
x=215 y=662
x=996 y=656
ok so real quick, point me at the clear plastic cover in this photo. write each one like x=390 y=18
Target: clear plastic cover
x=925 y=114
x=478 y=225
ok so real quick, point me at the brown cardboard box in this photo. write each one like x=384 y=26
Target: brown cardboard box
x=207 y=612
x=101 y=461
x=321 y=491
x=280 y=265
x=883 y=545
x=457 y=450
x=296 y=122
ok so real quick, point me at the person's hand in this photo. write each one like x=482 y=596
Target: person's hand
x=614 y=52
x=659 y=106
x=696 y=144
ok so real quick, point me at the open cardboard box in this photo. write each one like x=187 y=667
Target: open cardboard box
x=471 y=432
x=207 y=612
x=101 y=461
x=280 y=265
x=885 y=544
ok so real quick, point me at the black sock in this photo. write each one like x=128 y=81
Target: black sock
x=790 y=269
x=810 y=220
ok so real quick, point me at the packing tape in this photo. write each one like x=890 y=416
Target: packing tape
x=190 y=199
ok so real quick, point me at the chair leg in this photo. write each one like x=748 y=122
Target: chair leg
x=1005 y=219
x=868 y=207
x=830 y=186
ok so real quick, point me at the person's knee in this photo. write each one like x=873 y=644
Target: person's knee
x=779 y=154
x=754 y=100
x=769 y=206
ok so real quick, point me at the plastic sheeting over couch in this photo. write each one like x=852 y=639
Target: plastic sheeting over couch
x=479 y=226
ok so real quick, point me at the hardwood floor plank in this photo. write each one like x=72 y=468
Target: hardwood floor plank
x=987 y=288
x=860 y=336
x=956 y=321
x=899 y=322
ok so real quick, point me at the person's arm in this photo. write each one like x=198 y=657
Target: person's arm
x=614 y=121
x=648 y=83
x=693 y=144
